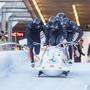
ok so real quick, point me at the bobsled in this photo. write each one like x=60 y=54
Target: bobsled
x=54 y=61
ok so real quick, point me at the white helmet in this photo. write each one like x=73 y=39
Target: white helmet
x=60 y=15
x=52 y=19
x=36 y=21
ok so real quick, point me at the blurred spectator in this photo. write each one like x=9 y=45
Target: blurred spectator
x=25 y=48
x=88 y=53
x=78 y=48
x=2 y=37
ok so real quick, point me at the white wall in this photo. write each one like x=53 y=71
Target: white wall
x=86 y=38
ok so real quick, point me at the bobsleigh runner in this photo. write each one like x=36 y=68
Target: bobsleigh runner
x=54 y=61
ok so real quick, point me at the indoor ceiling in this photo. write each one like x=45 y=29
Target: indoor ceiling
x=52 y=7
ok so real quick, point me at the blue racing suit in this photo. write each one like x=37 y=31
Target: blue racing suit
x=74 y=33
x=56 y=35
x=33 y=35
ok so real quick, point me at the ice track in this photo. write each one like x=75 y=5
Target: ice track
x=16 y=74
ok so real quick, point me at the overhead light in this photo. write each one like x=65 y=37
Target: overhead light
x=76 y=14
x=38 y=10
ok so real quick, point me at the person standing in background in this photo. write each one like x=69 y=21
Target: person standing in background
x=2 y=37
x=79 y=49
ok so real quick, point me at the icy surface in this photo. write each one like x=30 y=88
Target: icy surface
x=16 y=74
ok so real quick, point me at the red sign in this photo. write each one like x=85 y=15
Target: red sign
x=20 y=34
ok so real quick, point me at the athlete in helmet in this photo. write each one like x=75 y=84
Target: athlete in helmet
x=56 y=32
x=33 y=30
x=74 y=32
